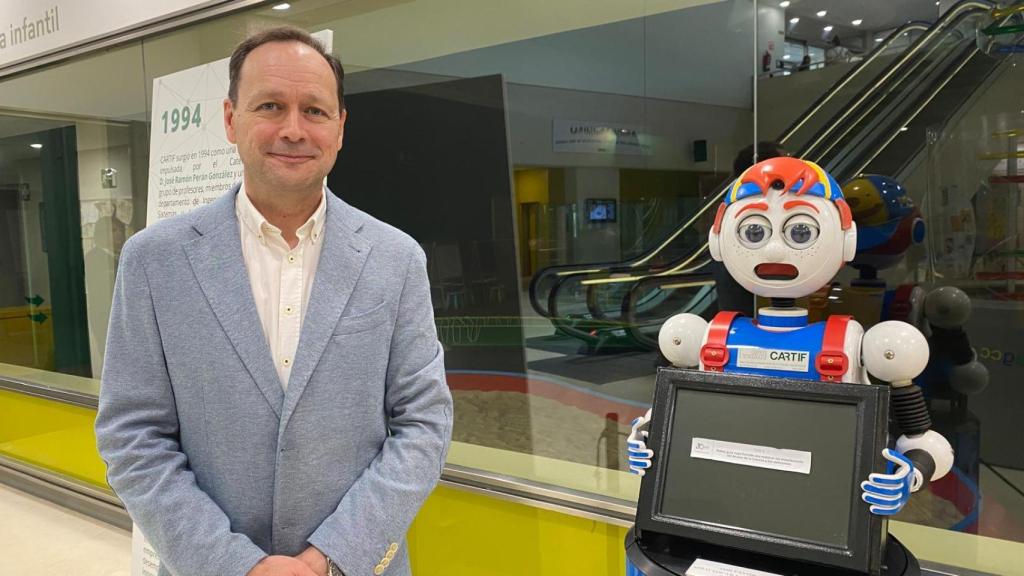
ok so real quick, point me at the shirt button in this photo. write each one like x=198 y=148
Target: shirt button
x=291 y=259
x=288 y=310
x=287 y=361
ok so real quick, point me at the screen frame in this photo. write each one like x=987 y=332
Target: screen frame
x=866 y=534
x=592 y=202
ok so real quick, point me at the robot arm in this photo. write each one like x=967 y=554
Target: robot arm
x=896 y=352
x=636 y=446
x=680 y=339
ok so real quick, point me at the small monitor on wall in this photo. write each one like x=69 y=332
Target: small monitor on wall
x=601 y=209
x=767 y=466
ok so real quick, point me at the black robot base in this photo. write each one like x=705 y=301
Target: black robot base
x=660 y=555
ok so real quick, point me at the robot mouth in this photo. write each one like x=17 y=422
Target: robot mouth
x=776 y=271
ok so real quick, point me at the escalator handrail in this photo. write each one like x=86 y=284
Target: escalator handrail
x=952 y=17
x=847 y=78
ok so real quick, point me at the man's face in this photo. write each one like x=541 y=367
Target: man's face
x=287 y=122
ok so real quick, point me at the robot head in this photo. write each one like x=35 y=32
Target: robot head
x=887 y=220
x=784 y=229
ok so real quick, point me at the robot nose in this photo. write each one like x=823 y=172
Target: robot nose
x=774 y=253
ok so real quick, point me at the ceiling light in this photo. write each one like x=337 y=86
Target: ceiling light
x=857 y=22
x=821 y=13
x=36 y=146
x=904 y=129
x=879 y=39
x=282 y=6
x=786 y=57
x=827 y=28
x=794 y=20
x=784 y=4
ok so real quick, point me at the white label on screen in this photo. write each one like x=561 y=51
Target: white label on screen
x=770 y=359
x=702 y=567
x=752 y=455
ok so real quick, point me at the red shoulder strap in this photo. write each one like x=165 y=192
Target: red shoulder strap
x=714 y=354
x=899 y=307
x=831 y=361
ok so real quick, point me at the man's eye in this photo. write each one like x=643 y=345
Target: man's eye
x=267 y=106
x=316 y=112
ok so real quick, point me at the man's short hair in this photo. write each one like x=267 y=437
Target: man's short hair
x=281 y=34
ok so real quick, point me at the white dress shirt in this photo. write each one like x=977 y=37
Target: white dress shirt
x=281 y=277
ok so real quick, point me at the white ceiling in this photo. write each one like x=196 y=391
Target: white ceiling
x=876 y=14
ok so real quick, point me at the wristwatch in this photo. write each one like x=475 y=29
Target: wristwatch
x=332 y=569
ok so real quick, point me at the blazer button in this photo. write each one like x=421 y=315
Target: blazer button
x=385 y=562
x=378 y=570
x=390 y=555
x=393 y=548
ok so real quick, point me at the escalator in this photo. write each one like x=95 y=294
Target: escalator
x=881 y=105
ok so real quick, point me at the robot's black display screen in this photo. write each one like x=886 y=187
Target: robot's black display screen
x=772 y=465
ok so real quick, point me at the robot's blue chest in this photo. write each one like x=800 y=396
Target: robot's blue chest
x=790 y=354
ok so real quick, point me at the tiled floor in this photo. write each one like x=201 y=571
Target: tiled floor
x=38 y=537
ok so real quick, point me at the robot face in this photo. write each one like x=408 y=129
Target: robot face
x=782 y=244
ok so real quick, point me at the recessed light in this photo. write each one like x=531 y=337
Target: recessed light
x=36 y=146
x=784 y=4
x=904 y=129
x=827 y=28
x=879 y=39
x=794 y=20
x=282 y=6
x=857 y=22
x=822 y=13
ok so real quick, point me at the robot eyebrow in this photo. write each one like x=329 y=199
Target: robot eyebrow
x=795 y=203
x=755 y=206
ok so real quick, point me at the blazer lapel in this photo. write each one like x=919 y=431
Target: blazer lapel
x=341 y=262
x=216 y=258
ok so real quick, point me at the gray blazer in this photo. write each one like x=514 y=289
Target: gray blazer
x=215 y=462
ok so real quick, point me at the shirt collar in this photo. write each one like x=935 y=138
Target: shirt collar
x=257 y=224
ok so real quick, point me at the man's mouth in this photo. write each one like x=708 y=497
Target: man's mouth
x=291 y=158
x=776 y=271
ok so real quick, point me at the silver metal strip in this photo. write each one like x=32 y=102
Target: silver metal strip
x=123 y=36
x=82 y=399
x=68 y=494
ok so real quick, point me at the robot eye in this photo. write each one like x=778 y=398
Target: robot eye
x=778 y=185
x=800 y=231
x=754 y=231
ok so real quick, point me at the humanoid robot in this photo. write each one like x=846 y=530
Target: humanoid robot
x=783 y=232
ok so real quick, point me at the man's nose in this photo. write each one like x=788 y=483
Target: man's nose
x=292 y=127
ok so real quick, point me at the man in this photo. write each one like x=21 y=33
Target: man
x=273 y=399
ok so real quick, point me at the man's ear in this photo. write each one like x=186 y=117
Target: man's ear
x=341 y=120
x=229 y=120
x=714 y=247
x=850 y=242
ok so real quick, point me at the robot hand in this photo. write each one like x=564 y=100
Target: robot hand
x=888 y=493
x=636 y=446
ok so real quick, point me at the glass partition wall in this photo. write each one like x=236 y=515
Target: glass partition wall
x=558 y=163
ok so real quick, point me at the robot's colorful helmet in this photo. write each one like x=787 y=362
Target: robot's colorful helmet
x=785 y=174
x=887 y=220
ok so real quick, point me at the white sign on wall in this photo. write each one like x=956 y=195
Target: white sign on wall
x=191 y=163
x=30 y=28
x=599 y=138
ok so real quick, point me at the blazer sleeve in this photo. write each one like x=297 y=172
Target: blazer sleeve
x=137 y=436
x=379 y=507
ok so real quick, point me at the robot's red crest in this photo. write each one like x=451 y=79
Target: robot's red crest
x=782 y=174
